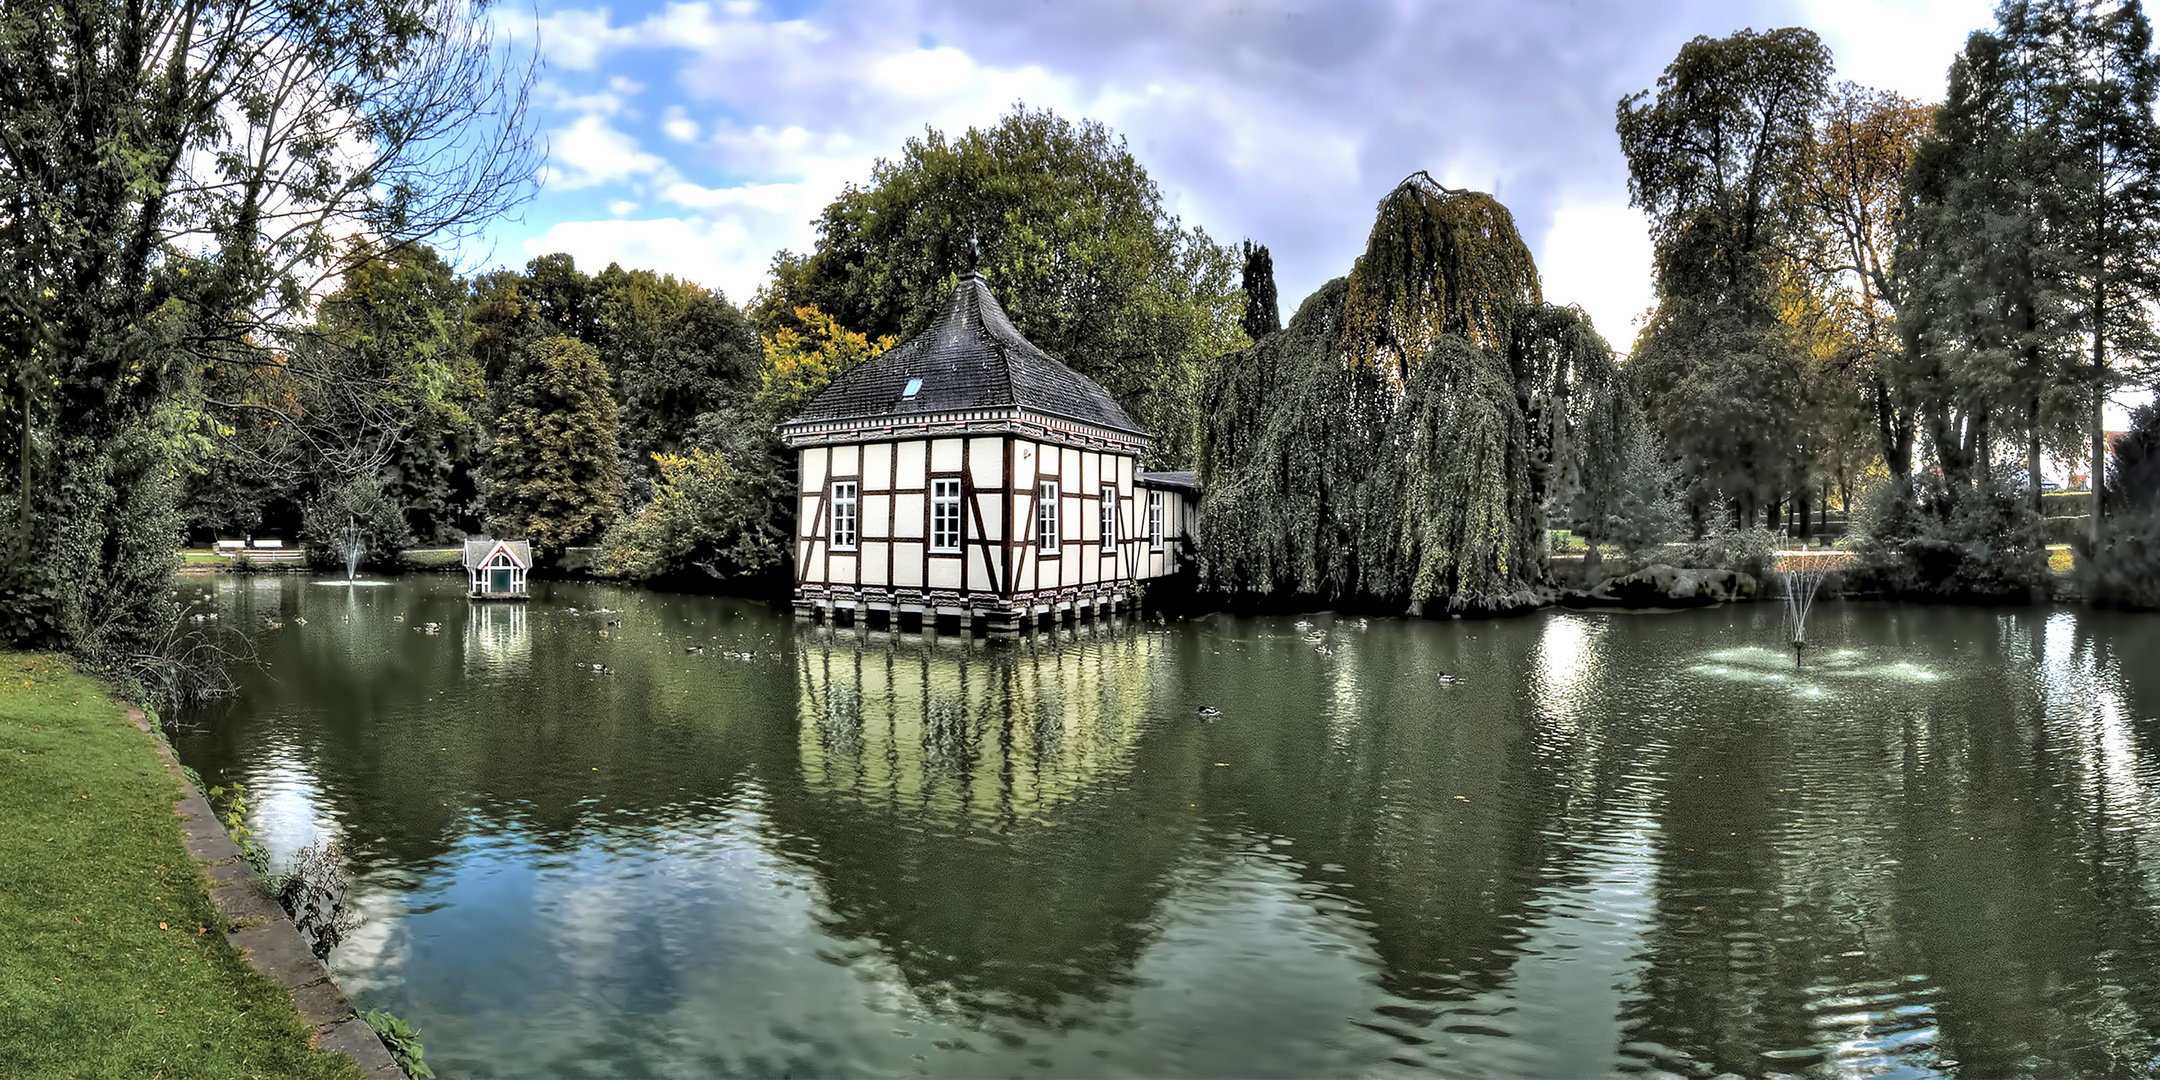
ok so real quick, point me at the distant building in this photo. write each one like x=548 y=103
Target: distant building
x=969 y=476
x=496 y=568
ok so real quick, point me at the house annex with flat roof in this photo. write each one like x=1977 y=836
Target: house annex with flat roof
x=969 y=477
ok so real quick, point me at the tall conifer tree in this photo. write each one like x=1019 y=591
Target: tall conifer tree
x=1263 y=316
x=2111 y=197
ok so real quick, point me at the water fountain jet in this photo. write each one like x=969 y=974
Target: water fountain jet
x=1802 y=573
x=349 y=542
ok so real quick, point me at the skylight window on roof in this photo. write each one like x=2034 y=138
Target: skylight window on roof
x=914 y=386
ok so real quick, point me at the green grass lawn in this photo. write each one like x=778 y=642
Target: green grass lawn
x=112 y=961
x=433 y=558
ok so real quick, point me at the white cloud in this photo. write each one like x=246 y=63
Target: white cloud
x=772 y=198
x=1900 y=45
x=1256 y=118
x=679 y=126
x=590 y=153
x=574 y=39
x=715 y=254
x=1596 y=256
x=622 y=208
x=555 y=96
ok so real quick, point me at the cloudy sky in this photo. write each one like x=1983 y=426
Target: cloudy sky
x=699 y=138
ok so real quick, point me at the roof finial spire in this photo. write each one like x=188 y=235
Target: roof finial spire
x=974 y=249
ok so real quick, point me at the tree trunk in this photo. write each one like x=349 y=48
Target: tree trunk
x=1805 y=504
x=1895 y=431
x=2032 y=458
x=2099 y=436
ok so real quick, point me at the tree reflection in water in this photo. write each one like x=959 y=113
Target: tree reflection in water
x=1610 y=842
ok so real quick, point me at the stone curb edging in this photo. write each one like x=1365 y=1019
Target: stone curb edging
x=267 y=938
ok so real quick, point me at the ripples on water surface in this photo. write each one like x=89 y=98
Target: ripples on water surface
x=1614 y=843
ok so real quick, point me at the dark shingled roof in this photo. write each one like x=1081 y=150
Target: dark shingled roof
x=1190 y=481
x=970 y=357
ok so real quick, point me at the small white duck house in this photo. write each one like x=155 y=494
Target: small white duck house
x=966 y=475
x=496 y=569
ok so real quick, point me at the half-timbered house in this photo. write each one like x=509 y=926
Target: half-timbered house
x=968 y=476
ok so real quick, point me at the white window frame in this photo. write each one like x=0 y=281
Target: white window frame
x=846 y=514
x=1107 y=513
x=1155 y=519
x=948 y=523
x=1047 y=518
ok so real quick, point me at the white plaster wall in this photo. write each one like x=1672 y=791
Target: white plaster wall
x=945 y=572
x=909 y=517
x=945 y=455
x=907 y=565
x=876 y=516
x=986 y=462
x=877 y=467
x=1024 y=471
x=912 y=456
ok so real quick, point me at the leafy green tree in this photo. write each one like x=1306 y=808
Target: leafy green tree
x=1864 y=145
x=1068 y=228
x=677 y=351
x=175 y=177
x=1642 y=511
x=746 y=507
x=2125 y=569
x=555 y=474
x=1718 y=159
x=701 y=515
x=399 y=321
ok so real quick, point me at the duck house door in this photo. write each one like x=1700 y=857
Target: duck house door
x=498 y=580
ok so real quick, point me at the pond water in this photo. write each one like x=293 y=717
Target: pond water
x=1613 y=843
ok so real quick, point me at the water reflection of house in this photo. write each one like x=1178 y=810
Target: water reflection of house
x=986 y=814
x=939 y=725
x=496 y=636
x=968 y=475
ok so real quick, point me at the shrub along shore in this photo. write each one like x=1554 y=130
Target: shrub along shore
x=112 y=960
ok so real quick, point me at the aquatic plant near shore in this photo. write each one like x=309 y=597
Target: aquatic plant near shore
x=399 y=1038
x=313 y=892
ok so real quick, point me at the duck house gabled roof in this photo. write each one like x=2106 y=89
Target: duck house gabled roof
x=969 y=359
x=480 y=549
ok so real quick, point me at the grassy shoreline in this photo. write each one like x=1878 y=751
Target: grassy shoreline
x=112 y=960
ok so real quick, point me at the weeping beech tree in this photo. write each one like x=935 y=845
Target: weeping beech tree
x=1399 y=443
x=1439 y=262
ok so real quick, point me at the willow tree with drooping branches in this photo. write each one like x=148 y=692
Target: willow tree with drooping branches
x=1399 y=443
